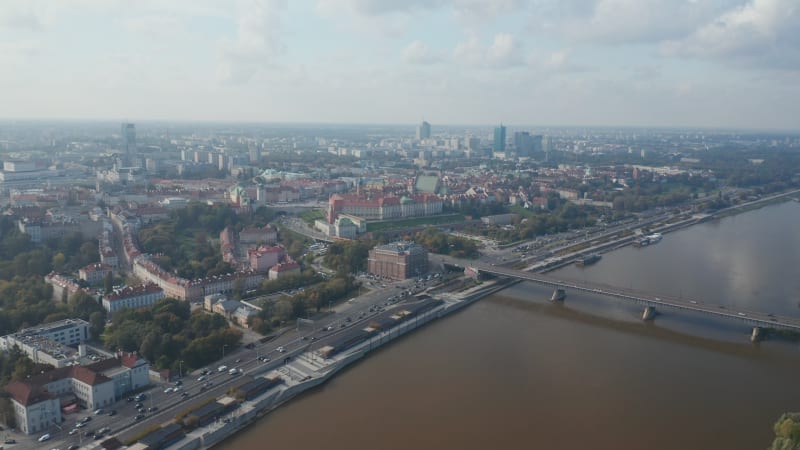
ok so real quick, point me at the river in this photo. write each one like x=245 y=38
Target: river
x=514 y=371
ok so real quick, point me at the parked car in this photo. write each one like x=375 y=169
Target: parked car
x=44 y=438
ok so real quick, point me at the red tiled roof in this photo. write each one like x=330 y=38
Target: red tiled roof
x=27 y=394
x=88 y=376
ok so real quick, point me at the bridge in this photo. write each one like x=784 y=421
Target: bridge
x=650 y=301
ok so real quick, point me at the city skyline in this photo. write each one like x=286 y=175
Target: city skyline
x=655 y=63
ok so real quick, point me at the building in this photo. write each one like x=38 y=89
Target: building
x=283 y=269
x=264 y=257
x=35 y=409
x=424 y=131
x=128 y=132
x=499 y=143
x=141 y=296
x=40 y=401
x=255 y=154
x=399 y=260
x=94 y=273
x=50 y=343
x=63 y=287
x=242 y=315
x=383 y=207
x=265 y=235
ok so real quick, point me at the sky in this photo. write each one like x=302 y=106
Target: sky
x=695 y=63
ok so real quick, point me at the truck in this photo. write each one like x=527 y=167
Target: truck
x=222 y=368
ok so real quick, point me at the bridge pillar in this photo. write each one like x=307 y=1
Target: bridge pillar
x=559 y=294
x=755 y=336
x=649 y=313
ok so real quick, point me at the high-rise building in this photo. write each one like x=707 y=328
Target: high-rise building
x=424 y=130
x=499 y=144
x=523 y=143
x=128 y=131
x=255 y=154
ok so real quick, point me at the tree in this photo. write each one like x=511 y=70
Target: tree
x=108 y=282
x=97 y=321
x=58 y=261
x=787 y=432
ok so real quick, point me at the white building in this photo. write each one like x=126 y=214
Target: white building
x=38 y=402
x=142 y=296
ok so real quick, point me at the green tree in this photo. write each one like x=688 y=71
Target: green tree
x=108 y=282
x=97 y=322
x=787 y=432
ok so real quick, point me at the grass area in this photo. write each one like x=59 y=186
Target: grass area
x=312 y=215
x=411 y=223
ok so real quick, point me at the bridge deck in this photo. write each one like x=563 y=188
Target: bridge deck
x=755 y=318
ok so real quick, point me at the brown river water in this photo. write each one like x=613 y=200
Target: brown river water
x=514 y=371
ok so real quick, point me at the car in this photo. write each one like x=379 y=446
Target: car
x=73 y=431
x=80 y=424
x=179 y=383
x=89 y=433
x=44 y=438
x=238 y=360
x=205 y=372
x=98 y=411
x=104 y=430
x=184 y=394
x=152 y=409
x=140 y=397
x=73 y=447
x=129 y=399
x=201 y=378
x=10 y=441
x=139 y=405
x=168 y=390
x=86 y=419
x=280 y=349
x=139 y=416
x=113 y=412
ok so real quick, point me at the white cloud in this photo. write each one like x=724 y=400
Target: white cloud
x=763 y=33
x=25 y=14
x=258 y=42
x=504 y=51
x=623 y=21
x=155 y=26
x=377 y=7
x=419 y=53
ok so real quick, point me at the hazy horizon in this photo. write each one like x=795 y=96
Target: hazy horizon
x=705 y=64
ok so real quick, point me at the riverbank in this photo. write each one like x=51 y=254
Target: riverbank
x=308 y=370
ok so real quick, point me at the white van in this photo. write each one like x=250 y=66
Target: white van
x=222 y=368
